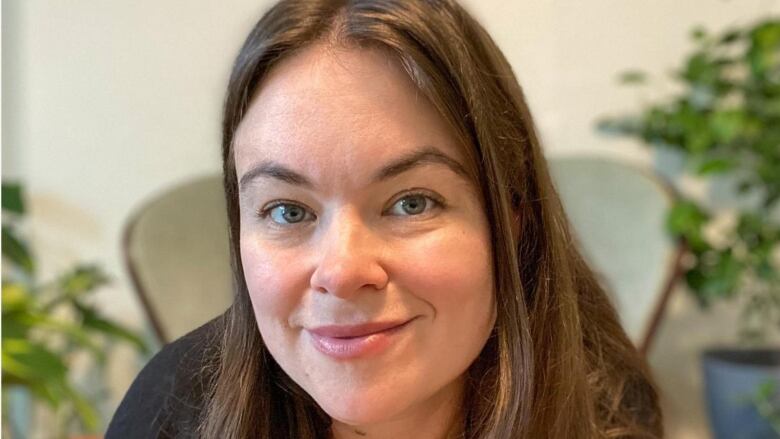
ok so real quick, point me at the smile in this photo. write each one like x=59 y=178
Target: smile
x=348 y=342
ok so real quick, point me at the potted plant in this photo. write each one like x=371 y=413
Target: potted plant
x=725 y=127
x=44 y=326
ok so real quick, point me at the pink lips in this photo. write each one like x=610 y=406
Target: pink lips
x=351 y=341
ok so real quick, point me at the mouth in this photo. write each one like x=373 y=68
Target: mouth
x=359 y=330
x=354 y=341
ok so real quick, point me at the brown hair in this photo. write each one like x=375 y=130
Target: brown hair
x=558 y=364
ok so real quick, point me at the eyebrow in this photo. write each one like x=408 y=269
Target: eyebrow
x=421 y=156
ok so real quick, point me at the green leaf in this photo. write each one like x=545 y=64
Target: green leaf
x=726 y=125
x=744 y=186
x=685 y=217
x=17 y=305
x=700 y=70
x=632 y=77
x=16 y=297
x=751 y=227
x=91 y=319
x=699 y=141
x=12 y=198
x=766 y=389
x=74 y=333
x=32 y=361
x=763 y=53
x=699 y=33
x=715 y=166
x=14 y=325
x=695 y=280
x=82 y=280
x=716 y=274
x=730 y=36
x=767 y=402
x=767 y=34
x=16 y=251
x=724 y=277
x=42 y=371
x=85 y=410
x=49 y=392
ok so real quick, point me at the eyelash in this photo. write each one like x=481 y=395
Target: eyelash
x=437 y=203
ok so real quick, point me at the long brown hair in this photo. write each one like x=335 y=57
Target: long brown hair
x=558 y=364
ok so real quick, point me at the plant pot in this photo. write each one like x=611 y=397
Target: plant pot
x=732 y=378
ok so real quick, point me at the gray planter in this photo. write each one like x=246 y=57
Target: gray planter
x=731 y=378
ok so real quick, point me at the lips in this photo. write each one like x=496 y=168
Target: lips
x=350 y=342
x=352 y=331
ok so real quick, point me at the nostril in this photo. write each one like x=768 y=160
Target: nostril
x=344 y=280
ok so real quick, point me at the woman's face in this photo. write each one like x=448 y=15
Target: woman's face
x=356 y=217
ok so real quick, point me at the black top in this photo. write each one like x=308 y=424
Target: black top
x=166 y=398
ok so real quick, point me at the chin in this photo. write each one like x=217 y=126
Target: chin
x=361 y=409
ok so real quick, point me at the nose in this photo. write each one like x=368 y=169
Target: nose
x=349 y=258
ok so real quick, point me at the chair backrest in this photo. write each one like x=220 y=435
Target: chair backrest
x=176 y=250
x=618 y=212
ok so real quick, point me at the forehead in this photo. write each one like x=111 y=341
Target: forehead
x=327 y=109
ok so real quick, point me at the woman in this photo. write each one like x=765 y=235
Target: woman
x=403 y=266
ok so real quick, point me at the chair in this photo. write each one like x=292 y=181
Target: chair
x=176 y=251
x=618 y=212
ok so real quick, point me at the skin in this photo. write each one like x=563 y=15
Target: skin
x=351 y=249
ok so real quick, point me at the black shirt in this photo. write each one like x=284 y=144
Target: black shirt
x=167 y=397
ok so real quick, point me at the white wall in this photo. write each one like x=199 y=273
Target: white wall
x=106 y=102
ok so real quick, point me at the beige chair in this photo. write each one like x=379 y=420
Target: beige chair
x=176 y=251
x=618 y=213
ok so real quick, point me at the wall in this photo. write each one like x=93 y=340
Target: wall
x=106 y=102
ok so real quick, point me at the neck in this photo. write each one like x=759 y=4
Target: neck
x=439 y=417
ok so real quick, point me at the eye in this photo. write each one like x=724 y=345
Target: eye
x=283 y=213
x=414 y=204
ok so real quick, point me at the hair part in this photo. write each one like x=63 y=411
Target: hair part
x=558 y=364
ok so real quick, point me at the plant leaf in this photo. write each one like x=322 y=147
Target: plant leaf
x=715 y=166
x=16 y=251
x=85 y=410
x=726 y=125
x=91 y=319
x=12 y=198
x=74 y=332
x=730 y=36
x=31 y=361
x=632 y=77
x=699 y=33
x=16 y=297
x=83 y=279
x=685 y=217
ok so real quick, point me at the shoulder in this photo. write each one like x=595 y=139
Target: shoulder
x=166 y=398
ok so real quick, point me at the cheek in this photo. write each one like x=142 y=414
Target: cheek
x=272 y=282
x=451 y=272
